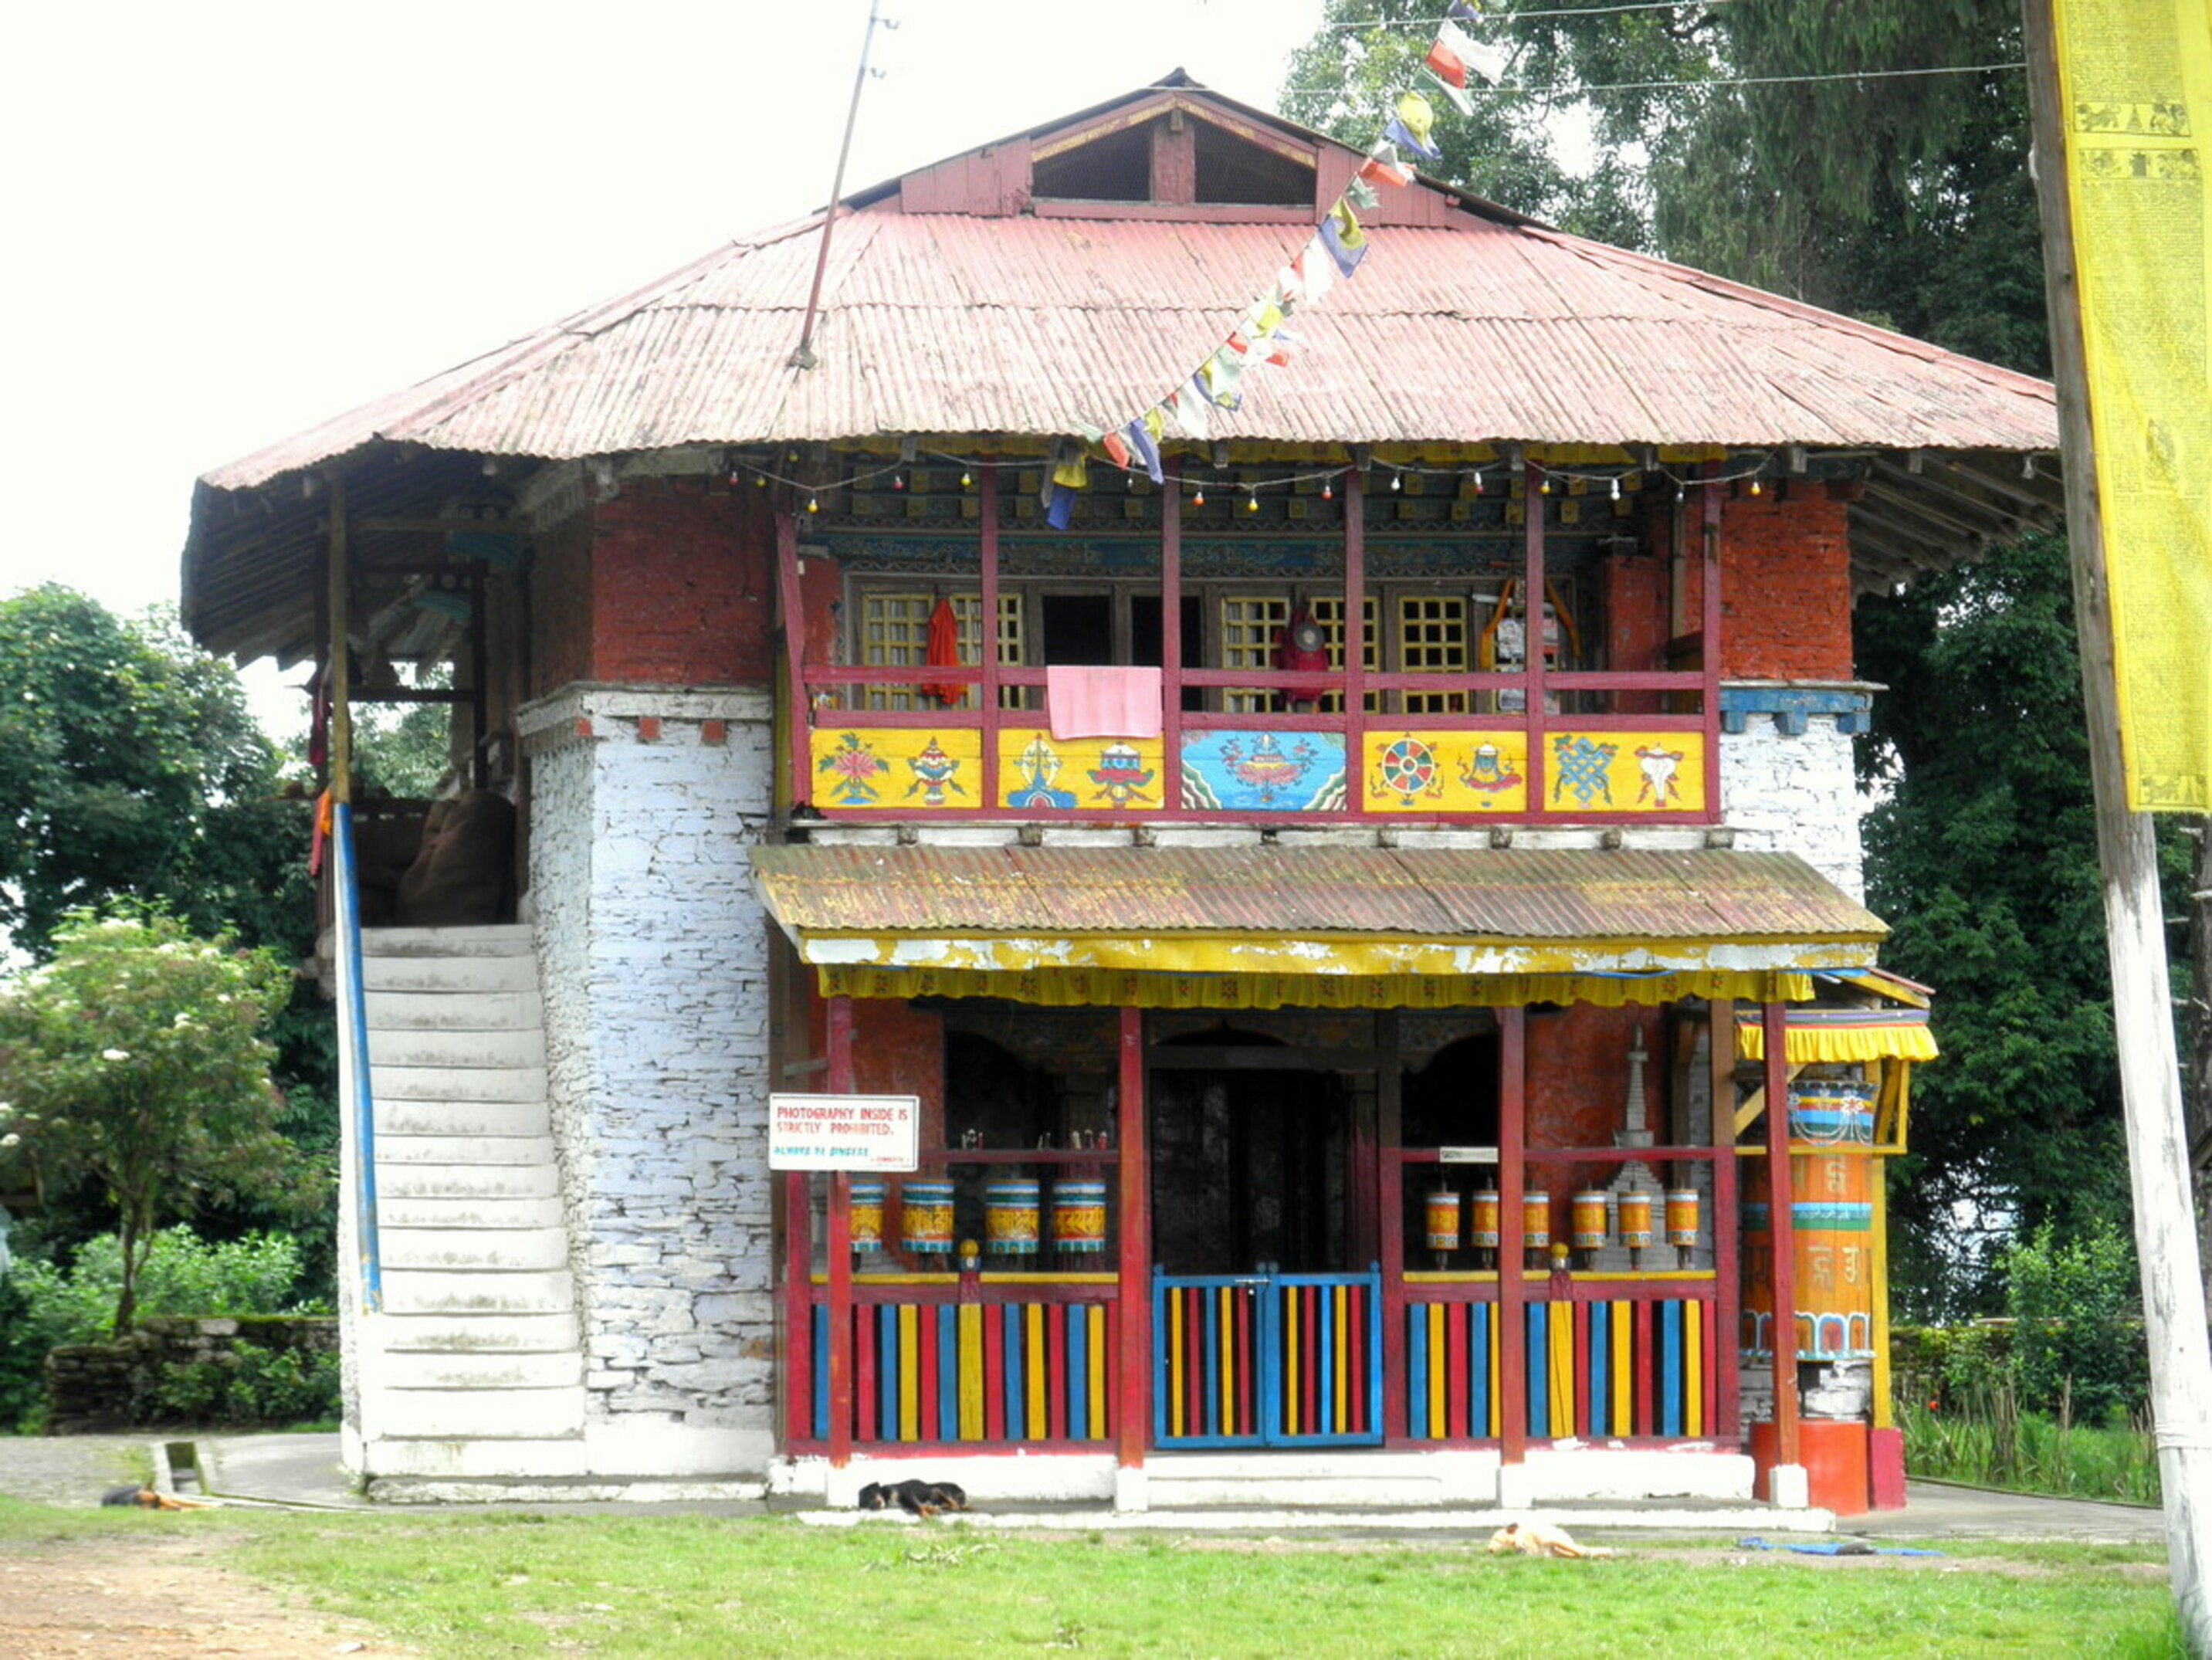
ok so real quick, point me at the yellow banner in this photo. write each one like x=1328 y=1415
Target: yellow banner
x=2135 y=88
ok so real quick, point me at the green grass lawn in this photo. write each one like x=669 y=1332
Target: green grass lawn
x=663 y=1585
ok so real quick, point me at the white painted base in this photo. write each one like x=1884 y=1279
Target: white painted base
x=621 y=1455
x=1556 y=1475
x=1132 y=1491
x=1002 y=1478
x=1788 y=1486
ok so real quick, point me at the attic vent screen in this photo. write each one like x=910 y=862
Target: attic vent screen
x=1231 y=170
x=1116 y=168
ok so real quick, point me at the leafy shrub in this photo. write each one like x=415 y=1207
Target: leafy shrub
x=184 y=1275
x=2077 y=1324
x=249 y=1387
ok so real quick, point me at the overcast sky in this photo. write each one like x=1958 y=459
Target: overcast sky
x=234 y=219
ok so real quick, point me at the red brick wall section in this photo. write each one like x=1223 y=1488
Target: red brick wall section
x=560 y=607
x=681 y=591
x=1578 y=1086
x=1635 y=594
x=899 y=1049
x=1785 y=585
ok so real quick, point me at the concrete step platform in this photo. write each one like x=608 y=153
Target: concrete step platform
x=431 y=1290
x=465 y=1183
x=494 y=1250
x=469 y=1211
x=470 y=1150
x=457 y=1050
x=451 y=975
x=497 y=1118
x=482 y=1370
x=398 y=1083
x=501 y=940
x=551 y=1332
x=470 y=1009
x=500 y=1415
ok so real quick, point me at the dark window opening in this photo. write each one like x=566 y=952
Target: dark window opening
x=1229 y=169
x=1079 y=628
x=1114 y=168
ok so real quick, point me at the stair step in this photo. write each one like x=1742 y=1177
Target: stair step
x=490 y=1249
x=467 y=1183
x=501 y=940
x=452 y=975
x=462 y=1118
x=433 y=1458
x=457 y=1051
x=453 y=1010
x=526 y=1414
x=472 y=1150
x=483 y=1369
x=468 y=1210
x=432 y=1291
x=457 y=1083
x=479 y=1334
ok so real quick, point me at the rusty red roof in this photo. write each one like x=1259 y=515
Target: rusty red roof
x=936 y=323
x=1518 y=896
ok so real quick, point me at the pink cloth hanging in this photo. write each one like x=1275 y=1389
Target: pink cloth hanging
x=1085 y=702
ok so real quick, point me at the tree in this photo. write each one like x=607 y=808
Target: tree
x=136 y=1056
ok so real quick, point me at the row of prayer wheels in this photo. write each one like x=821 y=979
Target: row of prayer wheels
x=1014 y=1212
x=1588 y=1223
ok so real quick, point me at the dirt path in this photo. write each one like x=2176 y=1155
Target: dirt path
x=158 y=1599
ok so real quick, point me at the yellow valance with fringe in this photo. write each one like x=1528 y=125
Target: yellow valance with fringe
x=1842 y=1035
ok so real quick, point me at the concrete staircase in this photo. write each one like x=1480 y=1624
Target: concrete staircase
x=475 y=1368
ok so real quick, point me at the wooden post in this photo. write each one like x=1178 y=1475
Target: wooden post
x=1171 y=630
x=1728 y=1249
x=1532 y=711
x=1512 y=1293
x=1709 y=626
x=986 y=627
x=1782 y=1229
x=839 y=1244
x=1355 y=615
x=794 y=657
x=1133 y=1356
x=1390 y=1219
x=340 y=685
x=2134 y=921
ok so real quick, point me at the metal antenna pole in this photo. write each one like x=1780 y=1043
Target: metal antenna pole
x=803 y=357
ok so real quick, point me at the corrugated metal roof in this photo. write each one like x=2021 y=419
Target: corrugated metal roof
x=934 y=323
x=1475 y=896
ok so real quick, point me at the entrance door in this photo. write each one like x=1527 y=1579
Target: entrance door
x=1264 y=1333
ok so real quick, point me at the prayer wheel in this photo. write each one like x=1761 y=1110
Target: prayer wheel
x=1441 y=1214
x=1483 y=1231
x=1831 y=1223
x=1009 y=1218
x=1830 y=1112
x=926 y=1218
x=1635 y=1222
x=1536 y=1219
x=865 y=1208
x=1682 y=1217
x=1079 y=1216
x=1586 y=1225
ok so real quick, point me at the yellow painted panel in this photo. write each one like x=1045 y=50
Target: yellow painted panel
x=1439 y=1366
x=1033 y=1370
x=1291 y=1372
x=1341 y=1360
x=1694 y=1368
x=909 y=1365
x=1095 y=1350
x=972 y=1372
x=902 y=769
x=1624 y=772
x=1560 y=1373
x=1623 y=1316
x=1413 y=770
x=1491 y=1348
x=1174 y=1365
x=1226 y=1335
x=1039 y=773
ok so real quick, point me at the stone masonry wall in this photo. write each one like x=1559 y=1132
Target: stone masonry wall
x=653 y=954
x=1794 y=791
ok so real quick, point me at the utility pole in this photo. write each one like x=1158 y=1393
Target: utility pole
x=2134 y=922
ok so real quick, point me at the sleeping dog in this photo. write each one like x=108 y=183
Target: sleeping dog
x=914 y=1497
x=145 y=1497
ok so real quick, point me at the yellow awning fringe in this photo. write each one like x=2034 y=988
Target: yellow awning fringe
x=1807 y=1044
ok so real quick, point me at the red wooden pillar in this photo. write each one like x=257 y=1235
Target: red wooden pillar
x=1171 y=628
x=1390 y=1219
x=840 y=1247
x=1355 y=615
x=986 y=627
x=1727 y=1259
x=1512 y=1290
x=1532 y=617
x=1709 y=625
x=1133 y=1352
x=797 y=1310
x=798 y=709
x=1783 y=1231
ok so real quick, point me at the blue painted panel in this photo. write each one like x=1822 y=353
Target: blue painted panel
x=1264 y=772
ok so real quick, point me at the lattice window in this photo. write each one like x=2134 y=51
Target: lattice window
x=1249 y=624
x=895 y=634
x=1432 y=638
x=1329 y=613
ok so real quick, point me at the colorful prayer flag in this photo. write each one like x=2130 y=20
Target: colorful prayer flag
x=1316 y=266
x=1061 y=507
x=1144 y=444
x=1409 y=125
x=1382 y=167
x=1345 y=242
x=1116 y=448
x=1188 y=403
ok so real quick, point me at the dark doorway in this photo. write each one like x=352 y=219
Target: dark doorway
x=1079 y=628
x=1247 y=1161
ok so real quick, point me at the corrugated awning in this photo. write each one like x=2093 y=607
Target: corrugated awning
x=1264 y=926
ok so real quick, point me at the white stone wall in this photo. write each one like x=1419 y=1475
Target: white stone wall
x=652 y=951
x=1795 y=792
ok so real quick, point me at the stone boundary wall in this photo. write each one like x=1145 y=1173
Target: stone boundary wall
x=91 y=1388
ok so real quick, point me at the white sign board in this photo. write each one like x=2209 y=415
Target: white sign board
x=1466 y=1155
x=843 y=1132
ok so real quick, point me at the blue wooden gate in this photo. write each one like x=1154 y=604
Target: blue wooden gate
x=1267 y=1359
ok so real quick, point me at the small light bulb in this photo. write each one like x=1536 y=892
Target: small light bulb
x=898 y=481
x=1754 y=487
x=1616 y=487
x=1544 y=485
x=1478 y=481
x=791 y=455
x=1327 y=492
x=1251 y=501
x=1397 y=481
x=1198 y=497
x=966 y=479
x=812 y=505
x=1679 y=491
